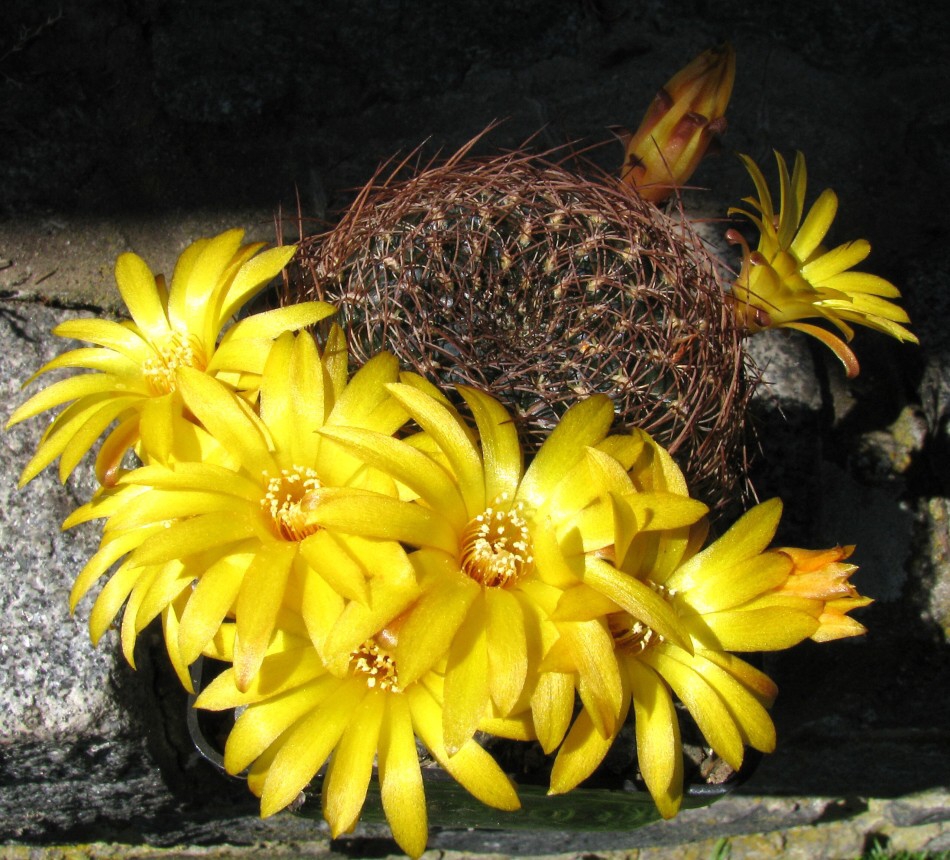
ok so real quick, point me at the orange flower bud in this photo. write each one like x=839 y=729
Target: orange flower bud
x=685 y=116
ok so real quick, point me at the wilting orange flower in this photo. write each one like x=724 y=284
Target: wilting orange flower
x=820 y=574
x=685 y=116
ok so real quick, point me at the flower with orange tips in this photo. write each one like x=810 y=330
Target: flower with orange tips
x=735 y=595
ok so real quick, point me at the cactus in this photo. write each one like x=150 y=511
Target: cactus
x=543 y=283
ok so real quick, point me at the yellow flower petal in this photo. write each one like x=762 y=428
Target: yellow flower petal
x=252 y=277
x=836 y=261
x=271 y=324
x=584 y=424
x=224 y=417
x=467 y=695
x=766 y=629
x=702 y=701
x=377 y=516
x=351 y=766
x=583 y=749
x=110 y=551
x=755 y=681
x=61 y=392
x=212 y=599
x=450 y=434
x=137 y=286
x=725 y=588
x=501 y=451
x=195 y=535
x=749 y=536
x=359 y=622
x=582 y=603
x=327 y=553
x=404 y=464
x=365 y=394
x=659 y=750
x=552 y=706
x=304 y=748
x=400 y=778
x=320 y=606
x=427 y=631
x=261 y=595
x=816 y=225
x=260 y=725
x=122 y=338
x=750 y=717
x=173 y=578
x=638 y=599
x=170 y=619
x=115 y=364
x=599 y=685
x=110 y=600
x=507 y=648
x=471 y=766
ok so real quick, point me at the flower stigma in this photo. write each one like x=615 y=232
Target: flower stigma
x=496 y=545
x=177 y=351
x=377 y=666
x=288 y=500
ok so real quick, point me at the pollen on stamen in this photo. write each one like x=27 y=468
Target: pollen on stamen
x=285 y=502
x=377 y=667
x=630 y=634
x=177 y=351
x=496 y=545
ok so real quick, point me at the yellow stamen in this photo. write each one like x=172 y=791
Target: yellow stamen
x=496 y=545
x=177 y=351
x=377 y=665
x=632 y=635
x=286 y=502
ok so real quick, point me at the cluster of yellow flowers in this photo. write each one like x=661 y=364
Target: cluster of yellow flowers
x=378 y=567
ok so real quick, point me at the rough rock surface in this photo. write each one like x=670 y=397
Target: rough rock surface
x=142 y=125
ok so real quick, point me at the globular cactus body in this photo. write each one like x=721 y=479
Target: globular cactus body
x=543 y=285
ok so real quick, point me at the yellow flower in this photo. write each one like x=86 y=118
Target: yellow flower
x=791 y=276
x=728 y=597
x=239 y=524
x=487 y=533
x=682 y=121
x=647 y=491
x=296 y=716
x=134 y=363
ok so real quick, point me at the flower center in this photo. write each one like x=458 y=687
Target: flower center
x=631 y=635
x=377 y=667
x=496 y=545
x=287 y=501
x=177 y=351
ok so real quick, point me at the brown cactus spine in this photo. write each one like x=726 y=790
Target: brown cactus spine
x=543 y=284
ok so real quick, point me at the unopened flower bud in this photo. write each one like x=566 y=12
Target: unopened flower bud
x=685 y=116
